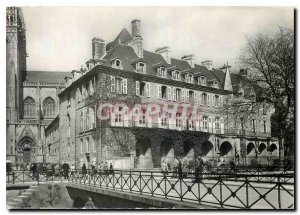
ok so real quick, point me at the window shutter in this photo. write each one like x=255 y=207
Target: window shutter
x=169 y=93
x=148 y=90
x=183 y=95
x=213 y=97
x=187 y=98
x=196 y=97
x=221 y=101
x=159 y=91
x=208 y=99
x=137 y=88
x=200 y=98
x=124 y=86
x=112 y=84
x=174 y=94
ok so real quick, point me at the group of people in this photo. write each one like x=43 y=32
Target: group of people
x=97 y=168
x=181 y=168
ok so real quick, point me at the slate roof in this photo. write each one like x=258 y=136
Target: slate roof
x=123 y=37
x=46 y=76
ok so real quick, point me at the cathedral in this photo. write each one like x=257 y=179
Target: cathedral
x=31 y=96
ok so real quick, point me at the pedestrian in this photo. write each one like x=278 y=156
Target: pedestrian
x=232 y=165
x=66 y=170
x=111 y=169
x=106 y=168
x=83 y=170
x=49 y=170
x=72 y=170
x=34 y=171
x=57 y=170
x=180 y=169
x=175 y=168
x=164 y=167
x=17 y=166
x=21 y=167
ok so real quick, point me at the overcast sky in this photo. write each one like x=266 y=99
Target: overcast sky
x=59 y=38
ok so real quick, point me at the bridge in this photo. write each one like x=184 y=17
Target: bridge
x=154 y=189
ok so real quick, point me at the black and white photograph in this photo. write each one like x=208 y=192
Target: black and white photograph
x=150 y=107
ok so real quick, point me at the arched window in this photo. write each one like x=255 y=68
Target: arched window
x=29 y=107
x=49 y=107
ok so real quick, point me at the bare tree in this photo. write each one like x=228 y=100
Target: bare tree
x=271 y=60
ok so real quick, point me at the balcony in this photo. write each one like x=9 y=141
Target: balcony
x=131 y=123
x=247 y=133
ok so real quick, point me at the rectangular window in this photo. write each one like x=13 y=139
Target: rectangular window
x=159 y=91
x=205 y=122
x=217 y=123
x=112 y=84
x=213 y=100
x=169 y=93
x=177 y=94
x=81 y=145
x=124 y=86
x=204 y=99
x=217 y=98
x=208 y=99
x=178 y=120
x=87 y=144
x=148 y=90
x=253 y=125
x=119 y=84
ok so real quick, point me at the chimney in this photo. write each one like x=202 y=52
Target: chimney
x=98 y=48
x=207 y=64
x=165 y=53
x=190 y=59
x=137 y=42
x=136 y=28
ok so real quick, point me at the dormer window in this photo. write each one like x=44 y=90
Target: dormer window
x=117 y=64
x=141 y=67
x=215 y=84
x=202 y=80
x=162 y=72
x=176 y=75
x=189 y=78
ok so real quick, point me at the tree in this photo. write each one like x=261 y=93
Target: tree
x=271 y=60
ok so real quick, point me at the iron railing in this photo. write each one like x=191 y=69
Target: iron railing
x=228 y=189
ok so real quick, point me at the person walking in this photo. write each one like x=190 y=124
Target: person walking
x=34 y=170
x=66 y=170
x=106 y=167
x=175 y=168
x=83 y=170
x=49 y=170
x=164 y=167
x=180 y=169
x=72 y=171
x=111 y=169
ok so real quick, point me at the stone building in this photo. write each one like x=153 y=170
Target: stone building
x=31 y=96
x=62 y=117
x=118 y=109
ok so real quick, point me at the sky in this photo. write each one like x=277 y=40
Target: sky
x=60 y=38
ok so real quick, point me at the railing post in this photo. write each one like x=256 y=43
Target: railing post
x=152 y=184
x=130 y=180
x=140 y=182
x=247 y=193
x=165 y=179
x=23 y=176
x=121 y=176
x=279 y=196
x=180 y=182
x=221 y=198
